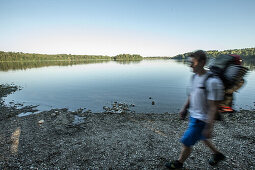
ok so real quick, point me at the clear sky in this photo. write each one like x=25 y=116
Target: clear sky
x=111 y=27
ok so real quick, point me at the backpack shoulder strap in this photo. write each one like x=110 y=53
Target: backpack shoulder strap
x=210 y=75
x=204 y=84
x=207 y=77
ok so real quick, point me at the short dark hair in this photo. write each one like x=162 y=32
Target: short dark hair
x=200 y=55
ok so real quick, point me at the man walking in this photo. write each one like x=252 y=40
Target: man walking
x=202 y=104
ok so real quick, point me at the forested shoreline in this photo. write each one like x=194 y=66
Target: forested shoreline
x=245 y=53
x=19 y=56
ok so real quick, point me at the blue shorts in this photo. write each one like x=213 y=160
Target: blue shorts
x=194 y=132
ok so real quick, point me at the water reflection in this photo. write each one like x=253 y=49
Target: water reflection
x=5 y=66
x=23 y=65
x=128 y=61
x=100 y=84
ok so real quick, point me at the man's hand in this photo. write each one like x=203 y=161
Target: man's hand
x=213 y=108
x=183 y=113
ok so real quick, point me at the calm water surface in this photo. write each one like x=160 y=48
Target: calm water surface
x=95 y=85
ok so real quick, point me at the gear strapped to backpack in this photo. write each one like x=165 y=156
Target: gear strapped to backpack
x=227 y=68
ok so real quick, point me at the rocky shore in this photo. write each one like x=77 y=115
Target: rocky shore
x=62 y=139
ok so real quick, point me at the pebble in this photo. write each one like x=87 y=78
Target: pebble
x=53 y=114
x=118 y=108
x=41 y=122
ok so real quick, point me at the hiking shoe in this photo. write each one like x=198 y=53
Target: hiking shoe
x=174 y=165
x=216 y=158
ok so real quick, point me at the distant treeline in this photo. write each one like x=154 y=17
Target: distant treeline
x=127 y=57
x=19 y=56
x=157 y=58
x=246 y=53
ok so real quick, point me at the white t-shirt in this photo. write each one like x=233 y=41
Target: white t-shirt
x=199 y=95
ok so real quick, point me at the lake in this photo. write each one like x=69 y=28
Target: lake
x=94 y=84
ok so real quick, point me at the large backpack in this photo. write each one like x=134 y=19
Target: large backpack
x=229 y=69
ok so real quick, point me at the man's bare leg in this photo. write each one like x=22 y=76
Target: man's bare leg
x=217 y=156
x=184 y=153
x=211 y=146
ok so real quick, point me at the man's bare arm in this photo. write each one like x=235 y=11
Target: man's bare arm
x=213 y=108
x=184 y=110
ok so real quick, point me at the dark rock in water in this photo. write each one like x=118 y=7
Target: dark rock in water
x=153 y=103
x=106 y=108
x=150 y=98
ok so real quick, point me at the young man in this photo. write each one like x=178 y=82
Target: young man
x=202 y=104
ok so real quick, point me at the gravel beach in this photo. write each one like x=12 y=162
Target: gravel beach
x=63 y=139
